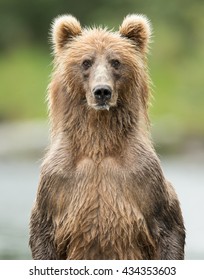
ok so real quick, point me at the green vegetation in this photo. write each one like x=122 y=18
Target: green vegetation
x=24 y=77
x=178 y=83
x=176 y=60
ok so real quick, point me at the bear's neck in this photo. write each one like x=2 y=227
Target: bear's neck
x=98 y=134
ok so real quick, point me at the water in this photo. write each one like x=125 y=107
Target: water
x=19 y=179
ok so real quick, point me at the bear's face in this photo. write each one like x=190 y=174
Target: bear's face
x=100 y=67
x=102 y=74
x=97 y=64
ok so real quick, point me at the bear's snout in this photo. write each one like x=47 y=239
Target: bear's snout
x=102 y=94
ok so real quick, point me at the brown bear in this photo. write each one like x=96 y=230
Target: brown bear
x=102 y=193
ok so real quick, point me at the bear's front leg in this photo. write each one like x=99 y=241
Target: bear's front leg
x=172 y=235
x=41 y=237
x=172 y=245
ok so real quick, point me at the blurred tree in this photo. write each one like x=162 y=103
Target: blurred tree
x=29 y=21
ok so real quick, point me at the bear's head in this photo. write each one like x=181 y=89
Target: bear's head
x=101 y=68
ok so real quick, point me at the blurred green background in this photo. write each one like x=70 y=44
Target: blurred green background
x=176 y=60
x=176 y=65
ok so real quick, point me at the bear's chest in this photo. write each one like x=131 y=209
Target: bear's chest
x=102 y=212
x=104 y=189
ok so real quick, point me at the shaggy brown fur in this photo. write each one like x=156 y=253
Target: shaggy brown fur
x=102 y=193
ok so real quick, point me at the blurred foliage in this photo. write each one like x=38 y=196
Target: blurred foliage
x=176 y=59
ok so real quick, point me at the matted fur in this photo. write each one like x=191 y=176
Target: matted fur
x=102 y=193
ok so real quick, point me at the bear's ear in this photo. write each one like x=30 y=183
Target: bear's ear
x=137 y=28
x=64 y=29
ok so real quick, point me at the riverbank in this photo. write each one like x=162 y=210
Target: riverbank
x=30 y=138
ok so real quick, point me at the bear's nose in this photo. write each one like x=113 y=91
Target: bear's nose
x=102 y=93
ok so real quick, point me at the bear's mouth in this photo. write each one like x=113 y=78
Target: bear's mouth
x=102 y=106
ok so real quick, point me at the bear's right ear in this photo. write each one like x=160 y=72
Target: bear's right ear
x=64 y=29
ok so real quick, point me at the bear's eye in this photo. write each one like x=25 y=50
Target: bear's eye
x=87 y=63
x=115 y=63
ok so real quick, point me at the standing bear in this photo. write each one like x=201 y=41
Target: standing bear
x=102 y=193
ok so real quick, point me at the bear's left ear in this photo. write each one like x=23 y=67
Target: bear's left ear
x=64 y=29
x=137 y=28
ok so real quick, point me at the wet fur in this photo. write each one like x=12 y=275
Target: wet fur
x=102 y=193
